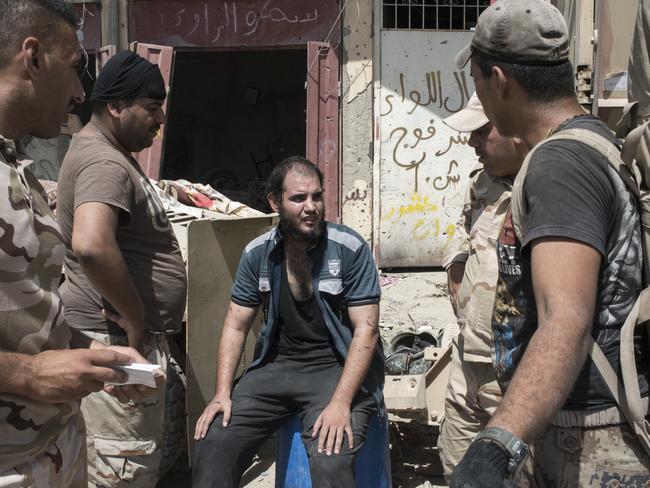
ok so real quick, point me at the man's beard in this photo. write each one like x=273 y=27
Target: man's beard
x=310 y=236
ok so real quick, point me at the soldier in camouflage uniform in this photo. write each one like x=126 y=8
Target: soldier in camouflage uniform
x=473 y=393
x=570 y=256
x=41 y=429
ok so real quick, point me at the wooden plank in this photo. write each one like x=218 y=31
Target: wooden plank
x=214 y=250
x=102 y=55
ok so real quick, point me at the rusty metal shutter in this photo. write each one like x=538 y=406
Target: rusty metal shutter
x=150 y=159
x=322 y=146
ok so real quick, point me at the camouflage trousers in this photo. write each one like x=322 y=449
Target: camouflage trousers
x=579 y=450
x=62 y=465
x=602 y=456
x=471 y=399
x=124 y=439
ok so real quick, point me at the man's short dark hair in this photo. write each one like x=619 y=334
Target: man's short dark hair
x=275 y=183
x=541 y=82
x=20 y=19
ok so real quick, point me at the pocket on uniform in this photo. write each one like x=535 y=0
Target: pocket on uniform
x=124 y=460
x=620 y=474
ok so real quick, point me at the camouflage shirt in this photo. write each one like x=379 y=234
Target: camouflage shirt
x=31 y=313
x=484 y=210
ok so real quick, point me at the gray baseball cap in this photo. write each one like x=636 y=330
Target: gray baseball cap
x=519 y=31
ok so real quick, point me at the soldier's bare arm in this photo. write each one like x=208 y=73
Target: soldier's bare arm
x=59 y=376
x=334 y=421
x=565 y=282
x=94 y=242
x=231 y=346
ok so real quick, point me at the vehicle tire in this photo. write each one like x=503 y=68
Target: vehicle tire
x=174 y=443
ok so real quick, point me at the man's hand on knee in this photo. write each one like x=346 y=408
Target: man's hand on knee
x=332 y=424
x=219 y=404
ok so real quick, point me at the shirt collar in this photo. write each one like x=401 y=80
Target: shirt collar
x=277 y=238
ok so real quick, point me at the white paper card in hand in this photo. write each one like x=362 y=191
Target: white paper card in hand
x=138 y=374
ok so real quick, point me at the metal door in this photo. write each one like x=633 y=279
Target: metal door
x=423 y=165
x=322 y=146
x=150 y=159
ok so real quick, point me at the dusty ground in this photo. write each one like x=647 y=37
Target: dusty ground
x=414 y=300
x=410 y=301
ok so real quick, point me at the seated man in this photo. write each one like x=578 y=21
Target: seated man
x=317 y=355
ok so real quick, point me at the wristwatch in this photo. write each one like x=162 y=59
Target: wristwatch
x=515 y=447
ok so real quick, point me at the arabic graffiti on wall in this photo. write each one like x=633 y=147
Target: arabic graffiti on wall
x=233 y=23
x=424 y=164
x=357 y=202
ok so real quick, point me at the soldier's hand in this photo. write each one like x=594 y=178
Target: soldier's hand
x=483 y=466
x=70 y=374
x=219 y=404
x=126 y=393
x=134 y=332
x=455 y=274
x=332 y=424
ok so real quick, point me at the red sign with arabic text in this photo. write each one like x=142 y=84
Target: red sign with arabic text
x=257 y=23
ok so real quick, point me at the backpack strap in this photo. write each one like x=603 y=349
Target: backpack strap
x=625 y=392
x=591 y=139
x=637 y=148
x=517 y=205
x=636 y=415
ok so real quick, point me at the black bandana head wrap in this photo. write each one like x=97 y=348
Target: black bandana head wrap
x=126 y=76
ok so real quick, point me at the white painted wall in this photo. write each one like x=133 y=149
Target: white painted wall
x=422 y=165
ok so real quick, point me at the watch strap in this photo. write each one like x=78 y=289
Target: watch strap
x=516 y=448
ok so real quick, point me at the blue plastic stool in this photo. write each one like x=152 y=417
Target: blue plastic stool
x=372 y=466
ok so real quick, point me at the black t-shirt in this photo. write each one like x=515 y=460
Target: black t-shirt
x=571 y=191
x=301 y=330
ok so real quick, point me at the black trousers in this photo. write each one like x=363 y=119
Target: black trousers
x=263 y=400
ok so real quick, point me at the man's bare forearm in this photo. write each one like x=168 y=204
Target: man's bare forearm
x=542 y=381
x=57 y=376
x=231 y=345
x=365 y=320
x=565 y=282
x=230 y=351
x=14 y=377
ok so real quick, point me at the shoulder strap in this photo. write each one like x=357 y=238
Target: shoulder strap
x=517 y=206
x=626 y=393
x=636 y=153
x=588 y=138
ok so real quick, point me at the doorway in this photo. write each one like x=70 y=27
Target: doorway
x=233 y=116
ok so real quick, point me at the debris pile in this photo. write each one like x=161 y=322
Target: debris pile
x=182 y=196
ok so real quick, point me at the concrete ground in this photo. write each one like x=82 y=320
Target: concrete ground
x=410 y=302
